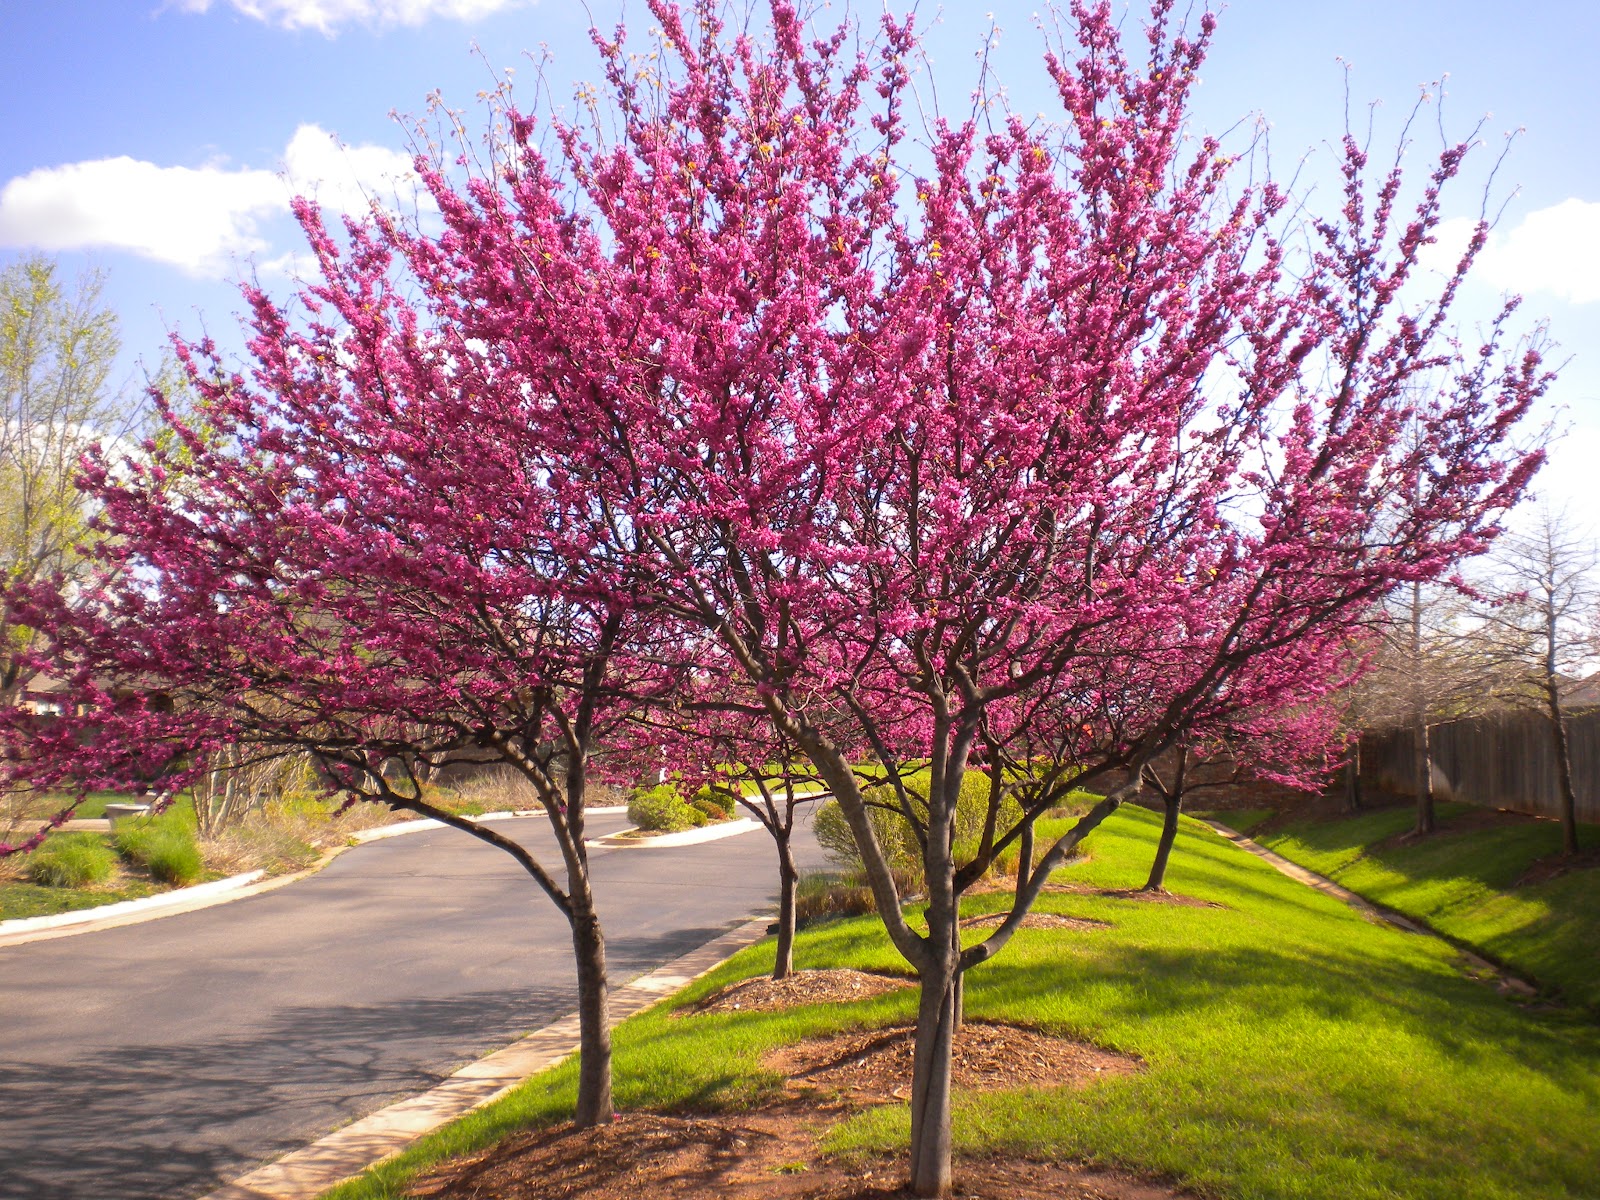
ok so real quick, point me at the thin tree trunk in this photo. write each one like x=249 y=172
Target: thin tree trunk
x=1422 y=751
x=1352 y=778
x=1422 y=774
x=930 y=1078
x=938 y=1010
x=594 y=1015
x=1558 y=734
x=1172 y=805
x=788 y=878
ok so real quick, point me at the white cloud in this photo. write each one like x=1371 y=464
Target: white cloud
x=326 y=16
x=199 y=219
x=1555 y=251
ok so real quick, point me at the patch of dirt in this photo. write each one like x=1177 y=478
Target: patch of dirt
x=1162 y=897
x=1546 y=869
x=874 y=1065
x=766 y=1155
x=1036 y=920
x=803 y=987
x=773 y=1153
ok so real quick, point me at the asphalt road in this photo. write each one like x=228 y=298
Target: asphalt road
x=161 y=1060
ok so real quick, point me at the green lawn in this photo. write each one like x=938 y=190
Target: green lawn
x=19 y=898
x=1462 y=883
x=1293 y=1048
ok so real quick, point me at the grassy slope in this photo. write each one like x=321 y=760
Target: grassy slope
x=1461 y=883
x=1293 y=1048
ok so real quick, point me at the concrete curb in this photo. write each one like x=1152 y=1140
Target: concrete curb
x=219 y=891
x=200 y=892
x=687 y=837
x=308 y=1173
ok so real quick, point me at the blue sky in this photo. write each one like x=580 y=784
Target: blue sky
x=160 y=140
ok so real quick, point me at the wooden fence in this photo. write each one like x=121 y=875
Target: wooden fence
x=1495 y=762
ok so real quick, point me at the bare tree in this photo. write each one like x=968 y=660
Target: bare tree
x=1431 y=665
x=1547 y=584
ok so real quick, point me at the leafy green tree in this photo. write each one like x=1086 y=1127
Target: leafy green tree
x=58 y=347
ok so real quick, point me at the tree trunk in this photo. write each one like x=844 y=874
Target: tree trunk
x=594 y=1016
x=1171 y=805
x=1352 y=778
x=1422 y=774
x=788 y=878
x=930 y=1078
x=1569 y=799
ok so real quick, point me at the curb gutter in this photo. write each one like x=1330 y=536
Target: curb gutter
x=308 y=1173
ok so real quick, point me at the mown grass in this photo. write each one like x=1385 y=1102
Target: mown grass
x=1292 y=1048
x=1463 y=882
x=19 y=898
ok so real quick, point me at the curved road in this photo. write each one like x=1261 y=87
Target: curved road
x=162 y=1059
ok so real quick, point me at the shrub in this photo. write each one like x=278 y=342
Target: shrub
x=718 y=803
x=72 y=860
x=162 y=845
x=895 y=834
x=661 y=809
x=822 y=895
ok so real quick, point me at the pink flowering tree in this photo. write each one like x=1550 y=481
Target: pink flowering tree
x=1036 y=447
x=348 y=557
x=1022 y=445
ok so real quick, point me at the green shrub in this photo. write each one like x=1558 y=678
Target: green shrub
x=162 y=845
x=718 y=803
x=823 y=894
x=661 y=809
x=899 y=840
x=72 y=860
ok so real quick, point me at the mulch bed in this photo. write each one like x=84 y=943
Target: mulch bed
x=1162 y=897
x=874 y=1065
x=1037 y=920
x=803 y=987
x=771 y=1153
x=766 y=1155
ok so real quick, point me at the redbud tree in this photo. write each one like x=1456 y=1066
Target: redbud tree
x=1035 y=446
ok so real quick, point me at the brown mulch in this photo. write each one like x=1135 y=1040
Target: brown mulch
x=803 y=987
x=766 y=1155
x=1161 y=897
x=1545 y=869
x=772 y=1153
x=1037 y=920
x=874 y=1065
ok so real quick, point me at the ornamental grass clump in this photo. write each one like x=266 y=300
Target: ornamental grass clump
x=164 y=847
x=71 y=860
